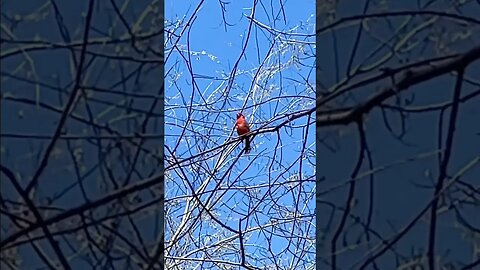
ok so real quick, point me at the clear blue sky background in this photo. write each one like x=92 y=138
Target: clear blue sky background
x=214 y=51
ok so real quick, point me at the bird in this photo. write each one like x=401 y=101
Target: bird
x=243 y=131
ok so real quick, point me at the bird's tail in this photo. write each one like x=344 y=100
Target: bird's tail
x=247 y=144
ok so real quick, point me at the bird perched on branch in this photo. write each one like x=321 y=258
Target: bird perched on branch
x=243 y=131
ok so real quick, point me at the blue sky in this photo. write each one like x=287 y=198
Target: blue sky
x=274 y=78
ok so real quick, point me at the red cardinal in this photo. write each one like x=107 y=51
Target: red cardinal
x=242 y=129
